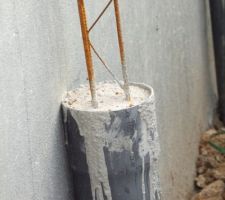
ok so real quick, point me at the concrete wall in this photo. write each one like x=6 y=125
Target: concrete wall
x=41 y=56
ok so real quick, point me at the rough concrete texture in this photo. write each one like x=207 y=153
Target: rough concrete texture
x=114 y=153
x=41 y=56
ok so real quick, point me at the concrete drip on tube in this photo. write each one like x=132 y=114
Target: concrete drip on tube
x=115 y=147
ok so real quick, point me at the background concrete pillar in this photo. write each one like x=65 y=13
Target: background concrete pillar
x=218 y=20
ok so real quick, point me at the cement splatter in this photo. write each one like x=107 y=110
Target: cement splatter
x=123 y=134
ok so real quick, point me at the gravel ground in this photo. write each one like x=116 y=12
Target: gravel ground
x=210 y=178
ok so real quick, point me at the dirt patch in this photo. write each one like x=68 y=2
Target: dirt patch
x=210 y=179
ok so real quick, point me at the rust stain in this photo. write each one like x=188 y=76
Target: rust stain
x=122 y=51
x=119 y=32
x=87 y=50
x=88 y=46
x=100 y=15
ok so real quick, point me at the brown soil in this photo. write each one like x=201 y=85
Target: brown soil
x=210 y=179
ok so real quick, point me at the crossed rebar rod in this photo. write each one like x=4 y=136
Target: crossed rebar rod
x=88 y=46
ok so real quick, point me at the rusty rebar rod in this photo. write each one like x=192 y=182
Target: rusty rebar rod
x=87 y=51
x=100 y=15
x=122 y=51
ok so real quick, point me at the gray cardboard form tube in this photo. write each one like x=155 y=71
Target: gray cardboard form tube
x=114 y=154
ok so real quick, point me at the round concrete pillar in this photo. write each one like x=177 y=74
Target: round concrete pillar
x=114 y=153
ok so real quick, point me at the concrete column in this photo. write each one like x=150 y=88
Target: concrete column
x=114 y=154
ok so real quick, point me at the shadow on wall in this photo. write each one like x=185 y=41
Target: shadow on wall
x=218 y=21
